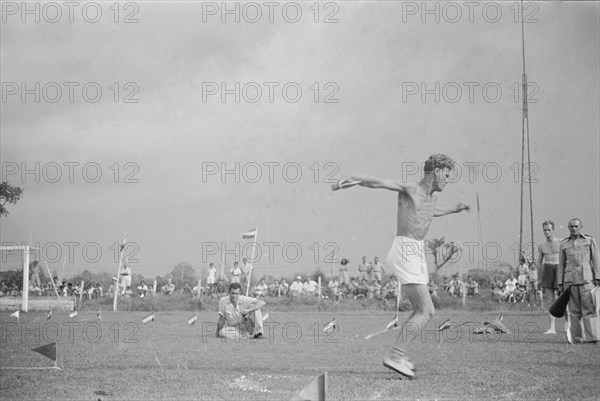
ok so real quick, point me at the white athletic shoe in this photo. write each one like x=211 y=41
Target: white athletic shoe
x=396 y=361
x=550 y=331
x=401 y=366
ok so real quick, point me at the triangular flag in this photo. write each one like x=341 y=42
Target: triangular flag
x=193 y=319
x=445 y=325
x=314 y=391
x=265 y=317
x=99 y=315
x=49 y=315
x=72 y=314
x=15 y=314
x=48 y=350
x=393 y=323
x=330 y=326
x=250 y=234
x=149 y=318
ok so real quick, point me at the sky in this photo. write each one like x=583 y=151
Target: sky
x=185 y=125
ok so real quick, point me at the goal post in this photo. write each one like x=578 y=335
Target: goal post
x=23 y=251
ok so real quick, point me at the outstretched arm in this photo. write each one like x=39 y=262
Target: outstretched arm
x=369 y=182
x=439 y=211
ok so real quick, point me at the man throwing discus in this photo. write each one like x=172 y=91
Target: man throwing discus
x=416 y=209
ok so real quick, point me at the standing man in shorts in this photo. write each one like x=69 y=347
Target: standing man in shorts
x=416 y=209
x=548 y=262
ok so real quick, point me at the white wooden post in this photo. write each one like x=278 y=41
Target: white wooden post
x=121 y=252
x=25 y=290
x=25 y=306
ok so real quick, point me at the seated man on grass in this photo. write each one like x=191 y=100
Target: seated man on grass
x=510 y=286
x=309 y=287
x=239 y=315
x=169 y=288
x=390 y=289
x=472 y=286
x=142 y=289
x=261 y=289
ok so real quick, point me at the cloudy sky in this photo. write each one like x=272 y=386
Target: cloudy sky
x=184 y=128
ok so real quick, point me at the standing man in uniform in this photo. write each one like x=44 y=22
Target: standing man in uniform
x=364 y=269
x=578 y=268
x=377 y=270
x=416 y=209
x=548 y=264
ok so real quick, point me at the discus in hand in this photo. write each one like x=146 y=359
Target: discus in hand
x=344 y=184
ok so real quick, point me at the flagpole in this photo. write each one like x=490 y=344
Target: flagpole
x=62 y=272
x=252 y=262
x=121 y=252
x=222 y=272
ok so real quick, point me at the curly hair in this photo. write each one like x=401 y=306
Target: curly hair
x=548 y=223
x=438 y=160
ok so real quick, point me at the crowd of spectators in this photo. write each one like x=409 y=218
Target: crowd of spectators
x=520 y=289
x=371 y=282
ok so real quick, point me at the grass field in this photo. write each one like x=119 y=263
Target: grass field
x=168 y=359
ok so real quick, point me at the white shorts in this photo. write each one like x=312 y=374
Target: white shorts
x=407 y=259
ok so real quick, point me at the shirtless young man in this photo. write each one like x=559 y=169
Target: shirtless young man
x=548 y=263
x=416 y=209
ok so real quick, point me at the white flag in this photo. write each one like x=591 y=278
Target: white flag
x=330 y=326
x=149 y=318
x=193 y=319
x=15 y=314
x=393 y=323
x=250 y=234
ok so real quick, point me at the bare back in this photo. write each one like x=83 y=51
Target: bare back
x=415 y=213
x=549 y=251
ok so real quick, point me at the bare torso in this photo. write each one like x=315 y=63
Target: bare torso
x=549 y=251
x=415 y=212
